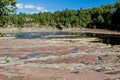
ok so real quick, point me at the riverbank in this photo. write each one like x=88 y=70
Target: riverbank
x=16 y=30
x=44 y=29
x=88 y=30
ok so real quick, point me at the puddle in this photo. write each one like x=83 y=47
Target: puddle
x=74 y=50
x=8 y=55
x=33 y=54
x=37 y=54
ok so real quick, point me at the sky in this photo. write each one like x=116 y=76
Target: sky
x=36 y=6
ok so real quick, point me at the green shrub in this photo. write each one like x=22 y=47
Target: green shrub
x=7 y=61
x=2 y=34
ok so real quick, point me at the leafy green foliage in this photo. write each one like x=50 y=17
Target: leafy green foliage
x=115 y=20
x=98 y=17
x=6 y=7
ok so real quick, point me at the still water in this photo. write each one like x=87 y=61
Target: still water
x=103 y=38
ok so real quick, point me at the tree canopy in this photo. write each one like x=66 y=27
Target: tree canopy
x=103 y=17
x=6 y=7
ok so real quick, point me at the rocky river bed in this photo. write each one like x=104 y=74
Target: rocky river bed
x=58 y=59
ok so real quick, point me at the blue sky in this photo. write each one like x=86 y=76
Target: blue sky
x=35 y=6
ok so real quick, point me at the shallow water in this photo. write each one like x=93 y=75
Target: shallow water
x=42 y=35
x=106 y=38
x=33 y=54
x=103 y=38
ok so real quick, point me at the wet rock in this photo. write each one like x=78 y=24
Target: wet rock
x=98 y=69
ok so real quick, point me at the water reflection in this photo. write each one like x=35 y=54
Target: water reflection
x=106 y=38
x=113 y=40
x=103 y=38
x=42 y=35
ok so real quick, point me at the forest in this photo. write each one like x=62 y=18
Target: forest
x=103 y=17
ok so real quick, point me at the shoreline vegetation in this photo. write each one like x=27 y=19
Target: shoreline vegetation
x=103 y=17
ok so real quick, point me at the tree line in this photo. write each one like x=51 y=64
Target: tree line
x=103 y=17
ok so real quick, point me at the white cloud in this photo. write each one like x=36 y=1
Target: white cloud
x=35 y=8
x=20 y=5
x=45 y=10
x=29 y=6
x=39 y=8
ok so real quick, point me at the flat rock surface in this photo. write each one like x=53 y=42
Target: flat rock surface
x=58 y=59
